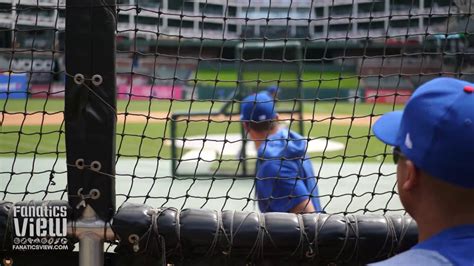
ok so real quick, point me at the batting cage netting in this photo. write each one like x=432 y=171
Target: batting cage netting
x=123 y=121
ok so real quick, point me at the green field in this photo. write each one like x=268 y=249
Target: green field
x=49 y=139
x=287 y=79
x=155 y=105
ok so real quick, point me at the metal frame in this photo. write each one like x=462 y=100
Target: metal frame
x=91 y=232
x=241 y=92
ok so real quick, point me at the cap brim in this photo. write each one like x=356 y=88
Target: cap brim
x=386 y=128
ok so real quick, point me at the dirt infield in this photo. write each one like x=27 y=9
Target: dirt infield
x=39 y=118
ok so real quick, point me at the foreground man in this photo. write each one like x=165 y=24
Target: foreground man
x=433 y=140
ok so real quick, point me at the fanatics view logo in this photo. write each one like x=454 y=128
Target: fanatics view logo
x=40 y=228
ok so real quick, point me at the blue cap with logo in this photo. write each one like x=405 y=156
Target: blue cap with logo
x=257 y=107
x=436 y=130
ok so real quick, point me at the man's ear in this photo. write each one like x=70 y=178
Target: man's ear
x=412 y=176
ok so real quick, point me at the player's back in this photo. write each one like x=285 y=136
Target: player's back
x=283 y=170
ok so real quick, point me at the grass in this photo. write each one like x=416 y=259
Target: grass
x=54 y=105
x=287 y=79
x=45 y=140
x=154 y=105
x=49 y=139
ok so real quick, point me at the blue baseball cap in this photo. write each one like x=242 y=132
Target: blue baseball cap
x=272 y=89
x=436 y=130
x=257 y=107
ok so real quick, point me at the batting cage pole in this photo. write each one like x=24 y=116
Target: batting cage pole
x=90 y=118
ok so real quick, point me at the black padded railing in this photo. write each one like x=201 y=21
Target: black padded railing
x=207 y=237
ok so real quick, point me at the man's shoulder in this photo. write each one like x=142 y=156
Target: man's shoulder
x=415 y=257
x=269 y=167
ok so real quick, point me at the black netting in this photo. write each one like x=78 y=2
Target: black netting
x=183 y=68
x=32 y=151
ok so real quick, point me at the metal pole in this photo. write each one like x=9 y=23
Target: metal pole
x=91 y=244
x=241 y=93
x=90 y=139
x=91 y=231
x=174 y=155
x=90 y=89
x=91 y=250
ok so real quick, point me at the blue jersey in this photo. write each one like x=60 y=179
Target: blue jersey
x=285 y=176
x=454 y=246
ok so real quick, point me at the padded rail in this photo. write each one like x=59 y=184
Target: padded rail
x=150 y=236
x=195 y=236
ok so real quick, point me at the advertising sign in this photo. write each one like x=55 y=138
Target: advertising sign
x=13 y=86
x=397 y=96
x=143 y=92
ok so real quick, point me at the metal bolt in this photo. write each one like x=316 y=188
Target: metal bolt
x=97 y=80
x=79 y=79
x=96 y=166
x=80 y=164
